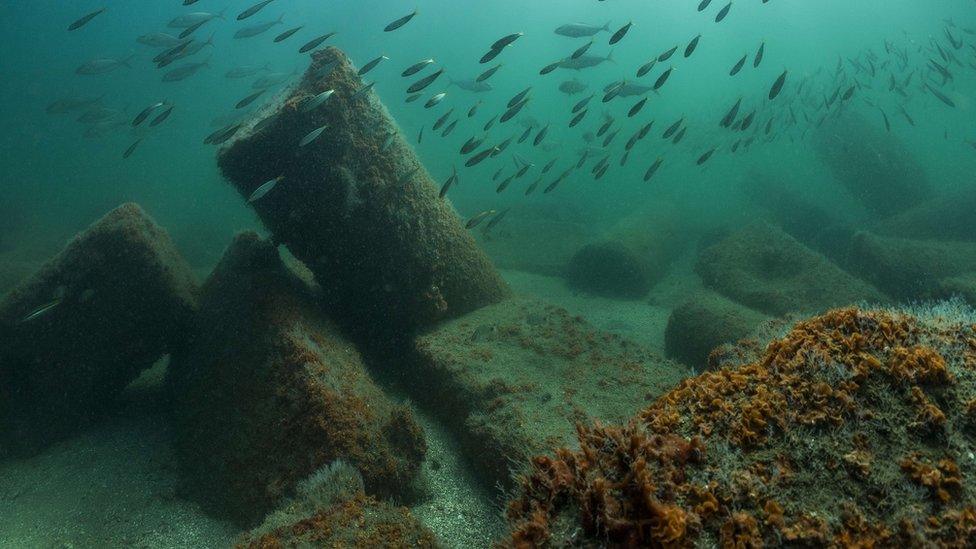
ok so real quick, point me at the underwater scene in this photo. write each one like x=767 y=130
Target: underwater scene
x=465 y=274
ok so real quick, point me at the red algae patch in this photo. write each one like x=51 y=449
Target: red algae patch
x=853 y=429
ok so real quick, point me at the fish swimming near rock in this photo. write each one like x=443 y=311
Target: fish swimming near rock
x=264 y=189
x=41 y=311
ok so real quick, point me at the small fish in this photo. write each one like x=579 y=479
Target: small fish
x=581 y=104
x=315 y=42
x=287 y=34
x=400 y=22
x=102 y=66
x=477 y=219
x=450 y=128
x=435 y=100
x=264 y=189
x=416 y=67
x=580 y=30
x=581 y=50
x=759 y=55
x=451 y=181
x=132 y=148
x=738 y=66
x=619 y=35
x=442 y=120
x=705 y=156
x=777 y=86
x=578 y=118
x=471 y=144
x=424 y=82
x=490 y=122
x=253 y=9
x=692 y=46
x=142 y=116
x=316 y=101
x=525 y=135
x=506 y=41
x=636 y=108
x=550 y=67
x=250 y=32
x=488 y=73
x=190 y=30
x=539 y=137
x=85 y=19
x=249 y=99
x=222 y=135
x=663 y=78
x=723 y=12
x=473 y=110
x=703 y=5
x=504 y=184
x=672 y=128
x=646 y=68
x=420 y=135
x=513 y=111
x=496 y=220
x=547 y=167
x=371 y=65
x=161 y=117
x=666 y=55
x=573 y=87
x=312 y=136
x=363 y=90
x=413 y=97
x=533 y=186
x=653 y=169
x=940 y=96
x=480 y=157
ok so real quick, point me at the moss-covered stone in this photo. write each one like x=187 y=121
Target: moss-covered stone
x=764 y=268
x=514 y=378
x=705 y=322
x=119 y=296
x=855 y=429
x=270 y=390
x=389 y=254
x=911 y=269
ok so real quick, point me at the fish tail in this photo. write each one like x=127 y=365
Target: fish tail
x=610 y=57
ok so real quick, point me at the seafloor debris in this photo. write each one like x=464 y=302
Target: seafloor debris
x=269 y=390
x=855 y=429
x=764 y=268
x=704 y=322
x=513 y=378
x=636 y=253
x=114 y=301
x=366 y=219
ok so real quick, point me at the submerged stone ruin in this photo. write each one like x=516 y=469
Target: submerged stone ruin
x=874 y=167
x=366 y=219
x=269 y=390
x=77 y=332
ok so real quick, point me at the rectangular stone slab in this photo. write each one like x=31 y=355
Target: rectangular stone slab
x=390 y=255
x=270 y=390
x=514 y=378
x=124 y=298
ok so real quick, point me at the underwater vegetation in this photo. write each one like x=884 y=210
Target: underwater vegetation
x=855 y=428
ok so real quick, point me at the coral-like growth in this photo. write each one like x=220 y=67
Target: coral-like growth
x=855 y=429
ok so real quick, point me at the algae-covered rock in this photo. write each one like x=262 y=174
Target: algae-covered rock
x=911 y=269
x=514 y=378
x=270 y=390
x=390 y=255
x=764 y=268
x=703 y=323
x=107 y=307
x=331 y=509
x=875 y=167
x=635 y=254
x=946 y=217
x=855 y=429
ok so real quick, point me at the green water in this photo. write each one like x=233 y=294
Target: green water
x=57 y=178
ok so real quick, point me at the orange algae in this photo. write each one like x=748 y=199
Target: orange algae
x=799 y=446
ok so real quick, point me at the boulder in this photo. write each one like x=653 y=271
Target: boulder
x=270 y=390
x=513 y=379
x=331 y=509
x=703 y=323
x=875 y=167
x=947 y=217
x=365 y=217
x=853 y=429
x=911 y=269
x=764 y=268
x=634 y=255
x=78 y=331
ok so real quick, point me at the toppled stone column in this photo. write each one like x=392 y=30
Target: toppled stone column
x=112 y=303
x=269 y=391
x=366 y=219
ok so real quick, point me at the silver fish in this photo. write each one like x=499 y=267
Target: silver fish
x=250 y=32
x=183 y=72
x=471 y=85
x=579 y=30
x=191 y=19
x=253 y=9
x=159 y=40
x=314 y=102
x=102 y=66
x=584 y=62
x=40 y=311
x=371 y=65
x=400 y=22
x=264 y=189
x=312 y=136
x=416 y=67
x=478 y=218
